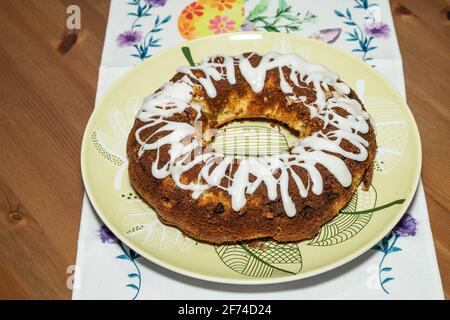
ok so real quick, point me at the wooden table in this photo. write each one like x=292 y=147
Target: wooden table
x=48 y=80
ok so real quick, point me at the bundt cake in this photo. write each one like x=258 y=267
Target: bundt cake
x=220 y=198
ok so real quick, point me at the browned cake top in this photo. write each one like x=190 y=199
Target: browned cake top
x=315 y=177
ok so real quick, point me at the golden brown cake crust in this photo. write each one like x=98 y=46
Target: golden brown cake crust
x=211 y=217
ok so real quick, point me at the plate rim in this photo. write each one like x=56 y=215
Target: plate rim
x=250 y=281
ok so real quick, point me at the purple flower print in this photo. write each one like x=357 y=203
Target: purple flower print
x=406 y=226
x=129 y=38
x=156 y=3
x=248 y=26
x=135 y=37
x=377 y=29
x=327 y=35
x=106 y=236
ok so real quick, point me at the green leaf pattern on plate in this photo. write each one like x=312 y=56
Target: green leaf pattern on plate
x=345 y=226
x=103 y=150
x=250 y=140
x=392 y=132
x=142 y=223
x=111 y=145
x=274 y=259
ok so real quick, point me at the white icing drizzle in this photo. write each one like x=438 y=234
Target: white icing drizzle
x=274 y=171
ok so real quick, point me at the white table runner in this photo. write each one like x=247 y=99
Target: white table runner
x=140 y=28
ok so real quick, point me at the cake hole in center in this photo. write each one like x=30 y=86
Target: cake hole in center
x=253 y=138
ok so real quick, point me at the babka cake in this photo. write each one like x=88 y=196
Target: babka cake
x=220 y=198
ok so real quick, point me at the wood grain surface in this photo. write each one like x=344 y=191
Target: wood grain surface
x=48 y=82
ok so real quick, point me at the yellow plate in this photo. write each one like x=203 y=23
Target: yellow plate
x=366 y=219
